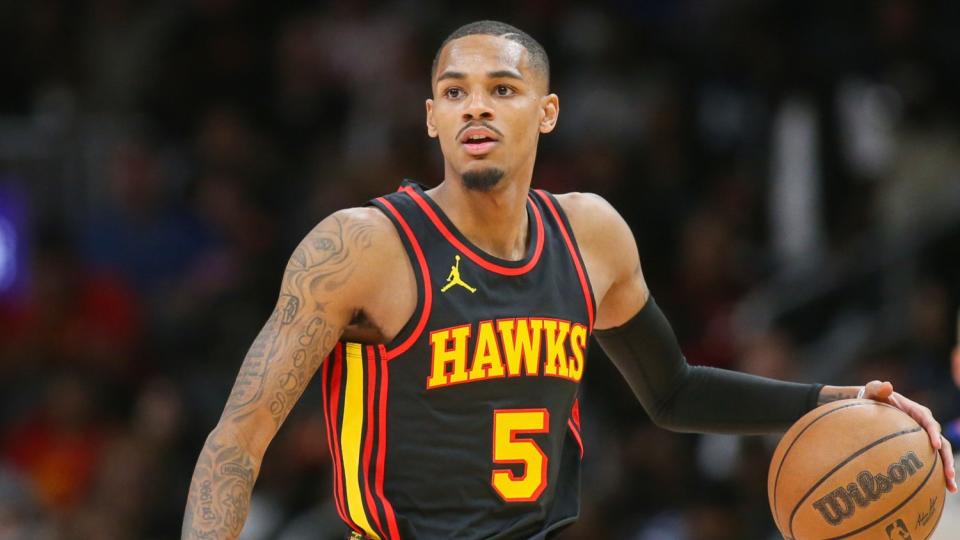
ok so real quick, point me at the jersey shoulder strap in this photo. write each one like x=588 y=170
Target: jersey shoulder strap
x=411 y=227
x=554 y=210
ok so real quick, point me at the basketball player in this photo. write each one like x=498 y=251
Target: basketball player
x=451 y=404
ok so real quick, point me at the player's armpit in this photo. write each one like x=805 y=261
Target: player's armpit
x=323 y=287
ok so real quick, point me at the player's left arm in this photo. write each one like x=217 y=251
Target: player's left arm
x=640 y=342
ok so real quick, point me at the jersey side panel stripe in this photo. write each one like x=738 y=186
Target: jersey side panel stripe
x=576 y=435
x=351 y=435
x=574 y=423
x=335 y=410
x=381 y=456
x=370 y=361
x=326 y=384
x=377 y=505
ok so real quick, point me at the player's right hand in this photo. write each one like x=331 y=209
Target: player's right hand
x=883 y=392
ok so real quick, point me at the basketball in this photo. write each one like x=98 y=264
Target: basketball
x=856 y=469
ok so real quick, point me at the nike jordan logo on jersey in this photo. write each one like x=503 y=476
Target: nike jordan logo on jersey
x=507 y=348
x=455 y=279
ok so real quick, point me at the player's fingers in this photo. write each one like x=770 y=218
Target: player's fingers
x=946 y=453
x=923 y=416
x=947 y=450
x=878 y=390
x=934 y=432
x=930 y=424
x=935 y=439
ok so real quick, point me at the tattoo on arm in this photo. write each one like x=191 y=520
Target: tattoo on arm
x=325 y=259
x=275 y=372
x=317 y=269
x=304 y=363
x=220 y=491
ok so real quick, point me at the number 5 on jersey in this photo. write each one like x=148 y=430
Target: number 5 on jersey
x=508 y=448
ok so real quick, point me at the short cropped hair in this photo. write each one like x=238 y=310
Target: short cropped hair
x=535 y=52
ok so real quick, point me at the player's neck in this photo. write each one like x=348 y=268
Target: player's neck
x=495 y=221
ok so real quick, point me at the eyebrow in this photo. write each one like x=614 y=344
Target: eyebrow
x=505 y=74
x=499 y=74
x=451 y=75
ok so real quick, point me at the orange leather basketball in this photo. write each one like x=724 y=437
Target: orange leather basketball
x=856 y=469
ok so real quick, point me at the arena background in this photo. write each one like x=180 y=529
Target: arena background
x=790 y=170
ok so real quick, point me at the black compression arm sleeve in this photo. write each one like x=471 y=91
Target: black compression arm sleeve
x=681 y=397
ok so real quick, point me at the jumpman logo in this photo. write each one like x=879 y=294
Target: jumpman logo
x=454 y=278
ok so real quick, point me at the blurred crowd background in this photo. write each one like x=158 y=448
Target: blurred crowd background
x=790 y=170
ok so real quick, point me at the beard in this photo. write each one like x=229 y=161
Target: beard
x=483 y=180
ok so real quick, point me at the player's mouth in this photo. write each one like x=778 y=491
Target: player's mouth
x=478 y=141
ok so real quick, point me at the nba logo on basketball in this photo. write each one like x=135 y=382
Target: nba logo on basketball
x=898 y=531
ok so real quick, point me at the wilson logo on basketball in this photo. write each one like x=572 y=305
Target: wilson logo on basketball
x=842 y=503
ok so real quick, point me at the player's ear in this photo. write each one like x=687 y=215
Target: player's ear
x=431 y=127
x=549 y=111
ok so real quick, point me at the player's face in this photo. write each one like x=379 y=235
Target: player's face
x=488 y=108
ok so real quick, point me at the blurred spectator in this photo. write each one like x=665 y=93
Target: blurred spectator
x=69 y=315
x=59 y=445
x=142 y=231
x=21 y=517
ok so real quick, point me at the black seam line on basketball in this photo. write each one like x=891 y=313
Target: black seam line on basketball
x=776 y=481
x=943 y=504
x=898 y=507
x=842 y=464
x=783 y=459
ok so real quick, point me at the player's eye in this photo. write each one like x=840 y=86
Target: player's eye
x=503 y=90
x=453 y=93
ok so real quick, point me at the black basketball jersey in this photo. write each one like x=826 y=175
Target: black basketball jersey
x=466 y=425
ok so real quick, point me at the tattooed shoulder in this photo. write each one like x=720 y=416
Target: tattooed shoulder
x=328 y=255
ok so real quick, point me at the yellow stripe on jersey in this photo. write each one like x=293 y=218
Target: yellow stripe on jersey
x=351 y=436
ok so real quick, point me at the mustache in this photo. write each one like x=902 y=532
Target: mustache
x=478 y=124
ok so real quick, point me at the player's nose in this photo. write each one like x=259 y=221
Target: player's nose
x=478 y=107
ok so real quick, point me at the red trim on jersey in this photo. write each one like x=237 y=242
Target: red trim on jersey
x=368 y=444
x=427 y=289
x=382 y=450
x=335 y=415
x=330 y=431
x=576 y=435
x=587 y=293
x=575 y=412
x=472 y=255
